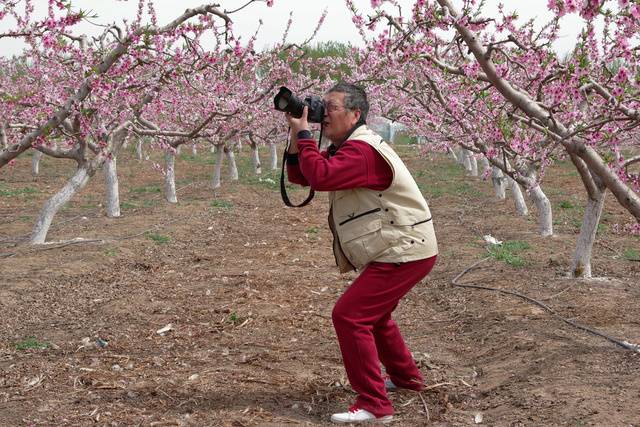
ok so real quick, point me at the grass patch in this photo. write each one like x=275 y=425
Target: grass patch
x=203 y=158
x=631 y=254
x=31 y=343
x=312 y=230
x=159 y=239
x=111 y=252
x=128 y=205
x=509 y=252
x=18 y=192
x=220 y=203
x=565 y=204
x=149 y=189
x=150 y=203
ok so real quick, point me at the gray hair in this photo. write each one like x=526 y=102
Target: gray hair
x=355 y=98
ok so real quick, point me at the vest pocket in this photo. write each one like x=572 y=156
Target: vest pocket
x=362 y=240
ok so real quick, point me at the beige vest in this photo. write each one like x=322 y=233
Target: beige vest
x=393 y=225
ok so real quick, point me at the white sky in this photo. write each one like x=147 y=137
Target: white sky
x=337 y=26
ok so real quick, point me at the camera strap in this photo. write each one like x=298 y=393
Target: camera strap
x=283 y=190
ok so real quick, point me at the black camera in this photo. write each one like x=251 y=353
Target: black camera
x=286 y=101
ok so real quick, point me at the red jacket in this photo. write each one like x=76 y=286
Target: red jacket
x=353 y=164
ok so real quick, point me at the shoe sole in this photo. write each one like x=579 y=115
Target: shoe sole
x=382 y=420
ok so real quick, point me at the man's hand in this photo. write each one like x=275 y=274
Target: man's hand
x=298 y=124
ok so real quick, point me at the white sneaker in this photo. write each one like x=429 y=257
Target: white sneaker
x=356 y=415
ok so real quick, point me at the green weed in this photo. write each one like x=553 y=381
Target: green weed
x=31 y=343
x=18 y=192
x=223 y=204
x=111 y=252
x=565 y=204
x=158 y=238
x=509 y=252
x=146 y=189
x=631 y=254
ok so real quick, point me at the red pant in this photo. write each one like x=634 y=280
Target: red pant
x=368 y=336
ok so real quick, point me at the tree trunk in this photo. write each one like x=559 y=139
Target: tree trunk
x=231 y=164
x=518 y=198
x=112 y=189
x=35 y=163
x=464 y=159
x=170 y=176
x=486 y=167
x=498 y=180
x=139 y=150
x=545 y=214
x=3 y=136
x=194 y=149
x=255 y=159
x=273 y=156
x=581 y=265
x=473 y=163
x=217 y=168
x=453 y=155
x=51 y=207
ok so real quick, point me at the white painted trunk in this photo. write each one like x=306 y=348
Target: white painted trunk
x=581 y=265
x=51 y=207
x=473 y=162
x=452 y=153
x=3 y=136
x=231 y=164
x=499 y=183
x=35 y=163
x=194 y=149
x=486 y=167
x=217 y=168
x=139 y=150
x=518 y=198
x=466 y=160
x=273 y=156
x=112 y=190
x=545 y=214
x=212 y=149
x=255 y=160
x=170 y=177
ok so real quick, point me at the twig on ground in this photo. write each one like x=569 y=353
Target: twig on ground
x=426 y=408
x=623 y=344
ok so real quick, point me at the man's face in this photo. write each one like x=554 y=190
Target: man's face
x=338 y=121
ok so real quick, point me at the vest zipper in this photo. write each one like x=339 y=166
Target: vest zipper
x=360 y=215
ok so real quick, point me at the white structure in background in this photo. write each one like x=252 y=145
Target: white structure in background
x=385 y=128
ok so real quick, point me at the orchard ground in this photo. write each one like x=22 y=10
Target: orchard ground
x=248 y=285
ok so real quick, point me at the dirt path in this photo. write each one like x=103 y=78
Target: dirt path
x=248 y=287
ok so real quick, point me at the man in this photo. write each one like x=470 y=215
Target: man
x=382 y=226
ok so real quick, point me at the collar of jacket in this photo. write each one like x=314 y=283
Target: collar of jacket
x=333 y=149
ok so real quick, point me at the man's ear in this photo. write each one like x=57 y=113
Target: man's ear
x=357 y=114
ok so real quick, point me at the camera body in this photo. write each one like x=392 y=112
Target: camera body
x=286 y=101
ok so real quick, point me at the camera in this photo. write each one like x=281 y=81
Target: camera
x=286 y=101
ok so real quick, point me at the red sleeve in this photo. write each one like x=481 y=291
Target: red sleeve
x=355 y=164
x=294 y=174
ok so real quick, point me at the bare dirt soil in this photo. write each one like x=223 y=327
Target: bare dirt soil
x=248 y=285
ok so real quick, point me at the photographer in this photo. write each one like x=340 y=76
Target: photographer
x=382 y=226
